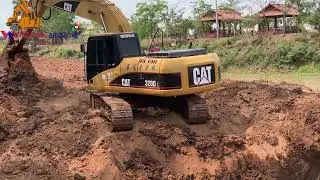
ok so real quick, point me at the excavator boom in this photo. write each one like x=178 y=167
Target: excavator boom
x=27 y=14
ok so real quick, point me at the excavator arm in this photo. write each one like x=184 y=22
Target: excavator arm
x=27 y=14
x=23 y=17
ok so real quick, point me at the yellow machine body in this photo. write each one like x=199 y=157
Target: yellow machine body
x=158 y=66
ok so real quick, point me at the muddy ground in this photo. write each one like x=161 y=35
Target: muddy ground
x=257 y=130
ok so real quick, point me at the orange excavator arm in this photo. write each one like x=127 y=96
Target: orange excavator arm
x=23 y=17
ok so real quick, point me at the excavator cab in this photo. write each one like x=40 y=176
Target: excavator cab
x=107 y=51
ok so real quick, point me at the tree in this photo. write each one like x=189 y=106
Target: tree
x=173 y=21
x=233 y=4
x=314 y=17
x=59 y=21
x=200 y=7
x=304 y=8
x=148 y=16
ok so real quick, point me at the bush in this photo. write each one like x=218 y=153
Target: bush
x=67 y=53
x=297 y=54
x=309 y=68
x=44 y=52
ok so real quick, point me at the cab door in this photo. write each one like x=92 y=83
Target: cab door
x=102 y=54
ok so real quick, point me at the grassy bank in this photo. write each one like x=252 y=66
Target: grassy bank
x=262 y=53
x=290 y=52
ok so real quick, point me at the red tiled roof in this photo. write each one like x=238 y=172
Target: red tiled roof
x=224 y=14
x=274 y=10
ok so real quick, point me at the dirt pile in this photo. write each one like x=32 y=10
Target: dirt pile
x=15 y=62
x=280 y=124
x=257 y=130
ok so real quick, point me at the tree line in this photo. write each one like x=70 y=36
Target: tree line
x=153 y=16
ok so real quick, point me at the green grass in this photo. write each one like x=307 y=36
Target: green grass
x=58 y=52
x=310 y=80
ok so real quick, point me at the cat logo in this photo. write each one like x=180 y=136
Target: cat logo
x=201 y=75
x=67 y=7
x=126 y=82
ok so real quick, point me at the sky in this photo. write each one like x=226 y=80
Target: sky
x=127 y=7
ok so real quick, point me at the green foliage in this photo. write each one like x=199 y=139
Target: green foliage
x=67 y=53
x=232 y=4
x=263 y=53
x=149 y=14
x=60 y=21
x=314 y=18
x=173 y=22
x=89 y=29
x=297 y=54
x=59 y=52
x=250 y=21
x=309 y=12
x=200 y=7
x=309 y=68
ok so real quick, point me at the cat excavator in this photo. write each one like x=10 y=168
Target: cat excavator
x=121 y=78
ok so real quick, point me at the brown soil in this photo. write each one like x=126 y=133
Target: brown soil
x=258 y=130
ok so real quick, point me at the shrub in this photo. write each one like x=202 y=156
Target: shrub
x=44 y=52
x=297 y=54
x=66 y=53
x=309 y=68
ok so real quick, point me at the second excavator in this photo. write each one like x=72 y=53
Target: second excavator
x=122 y=78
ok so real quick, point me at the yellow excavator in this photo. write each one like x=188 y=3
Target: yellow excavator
x=120 y=76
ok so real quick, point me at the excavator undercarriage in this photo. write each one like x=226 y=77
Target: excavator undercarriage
x=119 y=108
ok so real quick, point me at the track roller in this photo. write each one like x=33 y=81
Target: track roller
x=115 y=109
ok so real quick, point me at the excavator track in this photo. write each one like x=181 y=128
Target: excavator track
x=194 y=109
x=117 y=110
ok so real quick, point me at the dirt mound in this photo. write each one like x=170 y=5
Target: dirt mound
x=279 y=123
x=257 y=130
x=15 y=62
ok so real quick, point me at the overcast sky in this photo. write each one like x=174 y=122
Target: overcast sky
x=127 y=7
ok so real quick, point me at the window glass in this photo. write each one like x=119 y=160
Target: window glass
x=101 y=51
x=129 y=46
x=92 y=52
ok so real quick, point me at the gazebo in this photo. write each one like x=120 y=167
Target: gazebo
x=226 y=17
x=277 y=12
